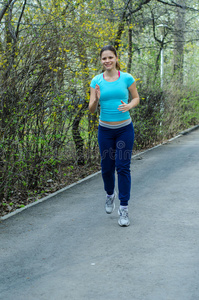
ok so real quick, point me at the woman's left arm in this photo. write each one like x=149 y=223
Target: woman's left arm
x=135 y=99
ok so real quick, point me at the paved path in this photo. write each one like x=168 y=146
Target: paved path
x=68 y=248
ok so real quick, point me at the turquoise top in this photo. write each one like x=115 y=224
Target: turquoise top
x=111 y=94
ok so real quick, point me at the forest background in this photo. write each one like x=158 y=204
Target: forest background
x=49 y=52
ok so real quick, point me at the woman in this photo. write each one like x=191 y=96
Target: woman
x=115 y=131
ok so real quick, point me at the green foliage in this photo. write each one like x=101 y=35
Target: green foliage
x=21 y=206
x=147 y=118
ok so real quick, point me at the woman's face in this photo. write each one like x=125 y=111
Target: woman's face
x=108 y=60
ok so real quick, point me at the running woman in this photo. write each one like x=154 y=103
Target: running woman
x=115 y=132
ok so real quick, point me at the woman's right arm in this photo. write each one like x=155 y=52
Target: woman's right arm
x=94 y=98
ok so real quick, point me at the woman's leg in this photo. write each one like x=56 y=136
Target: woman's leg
x=124 y=147
x=107 y=151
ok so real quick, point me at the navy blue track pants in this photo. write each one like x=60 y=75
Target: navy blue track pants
x=116 y=147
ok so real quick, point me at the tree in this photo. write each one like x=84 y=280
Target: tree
x=179 y=41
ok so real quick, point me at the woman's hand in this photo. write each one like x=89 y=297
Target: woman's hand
x=124 y=106
x=134 y=102
x=94 y=98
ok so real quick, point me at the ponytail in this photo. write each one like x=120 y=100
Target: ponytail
x=118 y=66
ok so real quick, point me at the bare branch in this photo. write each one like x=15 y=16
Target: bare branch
x=174 y=4
x=10 y=27
x=143 y=2
x=6 y=5
x=121 y=25
x=154 y=33
x=125 y=16
x=19 y=22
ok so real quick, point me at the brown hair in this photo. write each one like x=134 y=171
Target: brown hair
x=112 y=49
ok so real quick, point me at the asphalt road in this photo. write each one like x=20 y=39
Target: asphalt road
x=68 y=248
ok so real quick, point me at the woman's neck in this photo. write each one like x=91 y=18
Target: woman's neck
x=111 y=75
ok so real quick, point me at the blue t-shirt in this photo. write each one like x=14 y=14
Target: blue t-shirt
x=111 y=94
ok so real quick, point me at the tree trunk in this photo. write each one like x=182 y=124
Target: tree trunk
x=179 y=40
x=130 y=46
x=79 y=142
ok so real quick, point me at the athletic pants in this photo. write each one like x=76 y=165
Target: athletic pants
x=116 y=147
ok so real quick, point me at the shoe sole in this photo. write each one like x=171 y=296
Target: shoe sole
x=123 y=225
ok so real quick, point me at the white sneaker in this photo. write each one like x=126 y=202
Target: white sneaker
x=123 y=219
x=110 y=203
